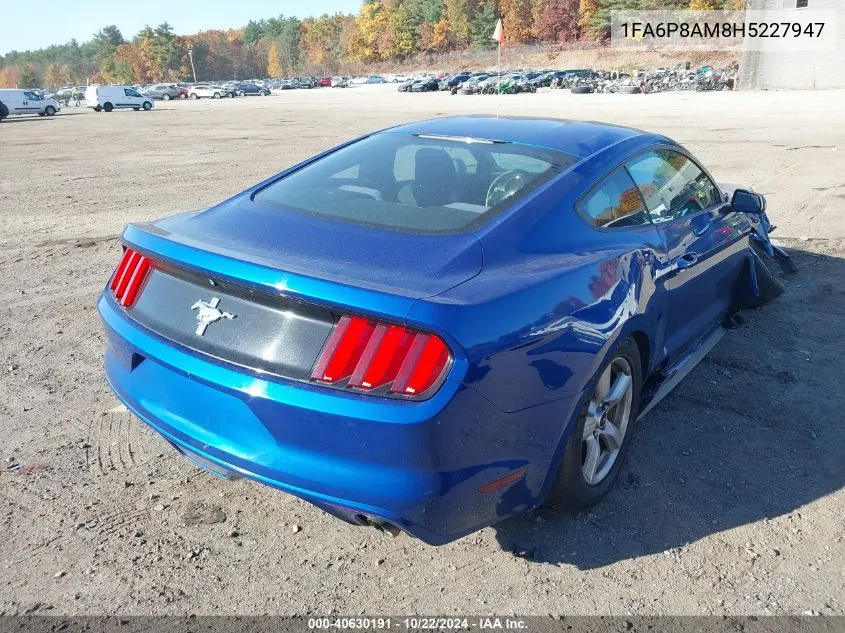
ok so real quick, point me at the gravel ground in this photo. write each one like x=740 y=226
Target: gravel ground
x=732 y=498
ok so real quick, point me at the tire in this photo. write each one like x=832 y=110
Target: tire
x=261 y=93
x=107 y=106
x=629 y=90
x=166 y=97
x=580 y=90
x=193 y=95
x=216 y=95
x=241 y=93
x=147 y=106
x=49 y=110
x=571 y=489
x=768 y=280
x=97 y=109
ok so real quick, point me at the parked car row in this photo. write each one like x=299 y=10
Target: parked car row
x=343 y=81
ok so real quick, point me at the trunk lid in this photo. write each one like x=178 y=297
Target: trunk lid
x=404 y=264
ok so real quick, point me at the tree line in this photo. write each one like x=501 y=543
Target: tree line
x=383 y=30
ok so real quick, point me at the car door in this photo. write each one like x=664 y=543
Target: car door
x=29 y=104
x=705 y=242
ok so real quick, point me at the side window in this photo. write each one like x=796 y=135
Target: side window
x=32 y=96
x=615 y=203
x=463 y=159
x=672 y=185
x=511 y=161
x=350 y=173
x=403 y=163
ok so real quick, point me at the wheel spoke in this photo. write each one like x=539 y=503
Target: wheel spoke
x=613 y=436
x=591 y=461
x=603 y=385
x=591 y=423
x=619 y=389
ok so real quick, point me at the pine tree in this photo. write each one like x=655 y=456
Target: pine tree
x=26 y=77
x=482 y=26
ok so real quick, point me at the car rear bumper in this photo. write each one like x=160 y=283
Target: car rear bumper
x=425 y=467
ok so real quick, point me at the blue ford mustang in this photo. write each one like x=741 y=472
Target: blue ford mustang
x=438 y=325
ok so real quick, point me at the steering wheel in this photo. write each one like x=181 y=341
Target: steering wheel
x=505 y=185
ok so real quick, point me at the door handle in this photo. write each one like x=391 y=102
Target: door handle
x=687 y=260
x=681 y=263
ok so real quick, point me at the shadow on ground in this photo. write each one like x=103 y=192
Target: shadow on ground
x=756 y=430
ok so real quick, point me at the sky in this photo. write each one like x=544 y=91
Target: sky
x=28 y=25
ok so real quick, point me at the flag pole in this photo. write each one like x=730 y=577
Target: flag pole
x=499 y=36
x=499 y=84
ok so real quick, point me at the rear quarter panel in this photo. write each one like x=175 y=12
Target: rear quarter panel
x=554 y=295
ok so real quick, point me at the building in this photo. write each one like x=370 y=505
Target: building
x=797 y=69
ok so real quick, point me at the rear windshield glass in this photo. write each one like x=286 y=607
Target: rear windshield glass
x=417 y=183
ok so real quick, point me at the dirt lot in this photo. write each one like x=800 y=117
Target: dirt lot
x=732 y=500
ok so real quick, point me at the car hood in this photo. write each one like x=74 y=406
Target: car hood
x=406 y=264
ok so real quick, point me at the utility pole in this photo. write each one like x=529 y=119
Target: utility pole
x=191 y=55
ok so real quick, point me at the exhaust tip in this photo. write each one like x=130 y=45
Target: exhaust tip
x=380 y=524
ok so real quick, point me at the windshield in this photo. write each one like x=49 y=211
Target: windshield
x=417 y=183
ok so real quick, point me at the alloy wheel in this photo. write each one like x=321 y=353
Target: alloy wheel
x=606 y=424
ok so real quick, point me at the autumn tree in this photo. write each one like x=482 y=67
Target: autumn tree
x=557 y=22
x=704 y=5
x=587 y=12
x=371 y=23
x=274 y=63
x=443 y=38
x=397 y=39
x=460 y=15
x=517 y=20
x=321 y=39
x=129 y=65
x=56 y=76
x=8 y=77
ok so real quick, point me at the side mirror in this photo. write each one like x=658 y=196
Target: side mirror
x=746 y=201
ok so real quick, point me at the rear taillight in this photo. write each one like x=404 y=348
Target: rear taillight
x=371 y=356
x=129 y=277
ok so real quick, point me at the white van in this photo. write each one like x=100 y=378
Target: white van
x=109 y=98
x=28 y=102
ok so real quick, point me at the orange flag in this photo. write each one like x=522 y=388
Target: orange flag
x=499 y=33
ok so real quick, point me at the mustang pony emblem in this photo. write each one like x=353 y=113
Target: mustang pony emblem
x=208 y=313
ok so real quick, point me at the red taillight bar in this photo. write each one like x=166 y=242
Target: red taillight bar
x=129 y=278
x=372 y=355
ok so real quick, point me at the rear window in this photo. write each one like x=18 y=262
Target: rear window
x=417 y=183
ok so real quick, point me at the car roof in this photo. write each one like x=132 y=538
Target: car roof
x=578 y=138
